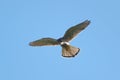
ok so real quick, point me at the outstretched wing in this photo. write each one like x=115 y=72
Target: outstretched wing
x=73 y=31
x=44 y=42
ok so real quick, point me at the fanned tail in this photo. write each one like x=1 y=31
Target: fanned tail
x=69 y=51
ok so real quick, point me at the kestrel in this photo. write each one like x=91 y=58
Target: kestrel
x=67 y=49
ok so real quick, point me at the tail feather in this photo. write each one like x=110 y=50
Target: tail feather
x=69 y=51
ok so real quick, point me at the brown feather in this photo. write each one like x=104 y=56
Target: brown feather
x=69 y=51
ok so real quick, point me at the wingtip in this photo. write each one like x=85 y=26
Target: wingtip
x=31 y=44
x=87 y=21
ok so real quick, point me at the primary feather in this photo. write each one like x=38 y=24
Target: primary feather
x=73 y=31
x=44 y=42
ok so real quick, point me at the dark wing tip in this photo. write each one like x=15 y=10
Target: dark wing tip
x=31 y=44
x=87 y=22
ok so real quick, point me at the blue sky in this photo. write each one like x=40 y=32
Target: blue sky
x=23 y=21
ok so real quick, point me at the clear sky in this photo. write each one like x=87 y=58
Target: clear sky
x=23 y=21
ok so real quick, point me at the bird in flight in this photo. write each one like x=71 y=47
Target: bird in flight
x=67 y=49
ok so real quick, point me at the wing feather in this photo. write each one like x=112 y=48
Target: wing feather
x=73 y=31
x=44 y=42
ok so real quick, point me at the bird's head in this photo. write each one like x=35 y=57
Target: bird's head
x=62 y=42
